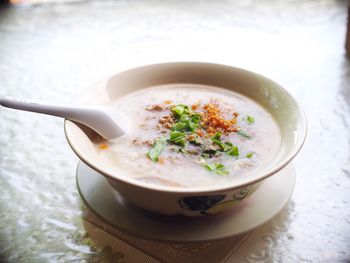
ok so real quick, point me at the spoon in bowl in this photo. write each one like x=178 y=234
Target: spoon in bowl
x=107 y=122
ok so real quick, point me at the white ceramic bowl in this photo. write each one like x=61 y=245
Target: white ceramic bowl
x=186 y=201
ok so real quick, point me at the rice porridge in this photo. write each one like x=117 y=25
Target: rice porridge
x=186 y=135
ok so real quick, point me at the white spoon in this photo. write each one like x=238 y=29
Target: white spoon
x=107 y=122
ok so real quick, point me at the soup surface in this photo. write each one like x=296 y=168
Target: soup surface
x=191 y=136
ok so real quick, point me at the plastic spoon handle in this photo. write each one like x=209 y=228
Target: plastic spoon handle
x=105 y=121
x=56 y=110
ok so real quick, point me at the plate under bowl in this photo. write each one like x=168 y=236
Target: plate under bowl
x=109 y=205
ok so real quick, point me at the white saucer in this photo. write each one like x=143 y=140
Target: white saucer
x=260 y=207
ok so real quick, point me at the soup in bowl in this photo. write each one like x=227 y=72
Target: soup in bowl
x=202 y=136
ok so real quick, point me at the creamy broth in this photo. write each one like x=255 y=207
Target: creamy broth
x=188 y=135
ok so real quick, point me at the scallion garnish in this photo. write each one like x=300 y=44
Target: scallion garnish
x=187 y=121
x=178 y=138
x=250 y=119
x=156 y=149
x=249 y=155
x=244 y=134
x=180 y=109
x=233 y=151
x=216 y=139
x=186 y=127
x=227 y=147
x=217 y=168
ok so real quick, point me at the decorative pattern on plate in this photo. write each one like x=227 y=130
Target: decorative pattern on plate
x=200 y=203
x=211 y=204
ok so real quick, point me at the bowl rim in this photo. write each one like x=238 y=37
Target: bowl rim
x=200 y=190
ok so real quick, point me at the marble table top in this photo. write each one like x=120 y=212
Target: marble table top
x=53 y=51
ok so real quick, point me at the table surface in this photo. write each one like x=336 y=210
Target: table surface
x=51 y=52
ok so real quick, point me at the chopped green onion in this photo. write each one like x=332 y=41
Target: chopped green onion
x=179 y=126
x=217 y=140
x=178 y=138
x=179 y=110
x=249 y=155
x=183 y=131
x=250 y=119
x=210 y=167
x=227 y=146
x=191 y=126
x=217 y=168
x=185 y=126
x=186 y=120
x=244 y=134
x=233 y=151
x=184 y=117
x=157 y=148
x=222 y=171
x=195 y=118
x=217 y=136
